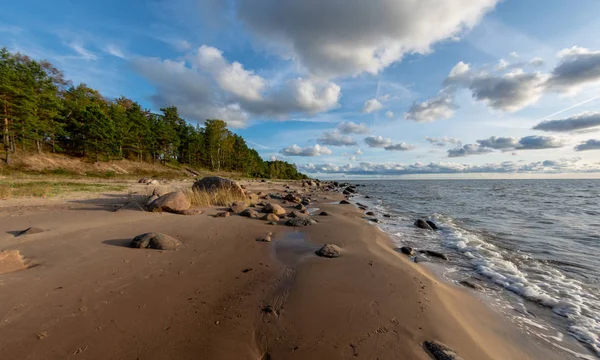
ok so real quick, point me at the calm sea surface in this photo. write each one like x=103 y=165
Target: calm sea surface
x=534 y=245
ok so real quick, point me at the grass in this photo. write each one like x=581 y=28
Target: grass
x=45 y=189
x=219 y=197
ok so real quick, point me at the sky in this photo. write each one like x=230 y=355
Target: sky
x=353 y=88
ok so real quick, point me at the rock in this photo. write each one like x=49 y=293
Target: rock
x=323 y=213
x=274 y=209
x=162 y=191
x=223 y=214
x=237 y=207
x=275 y=196
x=295 y=214
x=329 y=251
x=153 y=182
x=190 y=212
x=440 y=351
x=370 y=213
x=249 y=213
x=375 y=220
x=367 y=197
x=300 y=221
x=420 y=223
x=155 y=241
x=262 y=203
x=435 y=254
x=407 y=250
x=172 y=202
x=151 y=199
x=432 y=224
x=362 y=208
x=350 y=189
x=253 y=197
x=300 y=207
x=345 y=202
x=266 y=238
x=271 y=217
x=213 y=183
x=362 y=205
x=471 y=284
x=346 y=192
x=387 y=215
x=30 y=231
x=143 y=181
x=292 y=198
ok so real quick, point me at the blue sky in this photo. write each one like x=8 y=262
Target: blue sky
x=406 y=87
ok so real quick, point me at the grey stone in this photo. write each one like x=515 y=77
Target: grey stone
x=155 y=241
x=329 y=251
x=440 y=351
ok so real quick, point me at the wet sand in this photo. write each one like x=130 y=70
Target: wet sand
x=223 y=295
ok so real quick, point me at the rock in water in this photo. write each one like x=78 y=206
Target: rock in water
x=471 y=284
x=329 y=251
x=155 y=241
x=174 y=202
x=213 y=183
x=266 y=238
x=271 y=217
x=432 y=224
x=249 y=213
x=31 y=230
x=300 y=221
x=407 y=250
x=435 y=254
x=370 y=213
x=344 y=202
x=271 y=208
x=420 y=223
x=237 y=207
x=440 y=351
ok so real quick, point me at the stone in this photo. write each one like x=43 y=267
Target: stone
x=30 y=231
x=266 y=238
x=151 y=199
x=362 y=205
x=432 y=224
x=440 y=351
x=350 y=189
x=213 y=183
x=153 y=182
x=471 y=285
x=162 y=190
x=407 y=250
x=345 y=202
x=223 y=214
x=292 y=198
x=295 y=214
x=172 y=202
x=420 y=223
x=370 y=213
x=155 y=241
x=329 y=251
x=249 y=213
x=237 y=207
x=375 y=220
x=271 y=217
x=387 y=215
x=435 y=254
x=274 y=209
x=300 y=207
x=300 y=221
x=323 y=213
x=275 y=196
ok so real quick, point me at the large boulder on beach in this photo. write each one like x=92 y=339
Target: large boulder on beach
x=249 y=213
x=440 y=351
x=157 y=241
x=300 y=221
x=329 y=251
x=276 y=209
x=432 y=224
x=174 y=202
x=237 y=207
x=214 y=183
x=420 y=223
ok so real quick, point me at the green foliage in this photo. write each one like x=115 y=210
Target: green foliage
x=43 y=112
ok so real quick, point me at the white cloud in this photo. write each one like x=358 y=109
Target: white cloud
x=467 y=150
x=82 y=51
x=539 y=142
x=440 y=107
x=349 y=37
x=536 y=61
x=496 y=142
x=378 y=141
x=590 y=144
x=372 y=105
x=579 y=66
x=443 y=141
x=114 y=51
x=514 y=55
x=358 y=152
x=352 y=128
x=402 y=146
x=296 y=150
x=335 y=138
x=389 y=114
x=581 y=121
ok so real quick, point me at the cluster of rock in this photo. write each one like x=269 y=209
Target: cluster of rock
x=148 y=181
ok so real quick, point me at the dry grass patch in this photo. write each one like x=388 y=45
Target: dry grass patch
x=44 y=189
x=218 y=197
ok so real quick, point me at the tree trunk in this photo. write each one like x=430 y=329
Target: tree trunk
x=6 y=136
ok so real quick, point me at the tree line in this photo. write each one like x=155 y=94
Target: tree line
x=44 y=112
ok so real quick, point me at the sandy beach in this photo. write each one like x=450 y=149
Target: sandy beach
x=83 y=293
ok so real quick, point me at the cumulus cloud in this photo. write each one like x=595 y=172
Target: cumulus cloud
x=296 y=150
x=502 y=143
x=358 y=152
x=352 y=128
x=536 y=61
x=339 y=38
x=443 y=141
x=367 y=168
x=590 y=144
x=581 y=121
x=578 y=66
x=467 y=150
x=389 y=114
x=535 y=142
x=399 y=147
x=372 y=105
x=378 y=141
x=440 y=107
x=335 y=138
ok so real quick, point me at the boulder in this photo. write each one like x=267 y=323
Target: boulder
x=155 y=241
x=275 y=196
x=420 y=223
x=292 y=198
x=323 y=213
x=432 y=224
x=151 y=199
x=223 y=214
x=435 y=254
x=162 y=190
x=375 y=220
x=300 y=207
x=266 y=238
x=249 y=213
x=387 y=215
x=213 y=183
x=237 y=207
x=370 y=213
x=300 y=221
x=329 y=251
x=271 y=208
x=345 y=202
x=471 y=284
x=172 y=202
x=271 y=217
x=30 y=230
x=350 y=189
x=407 y=250
x=153 y=182
x=440 y=351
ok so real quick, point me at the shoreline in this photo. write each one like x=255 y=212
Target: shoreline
x=224 y=295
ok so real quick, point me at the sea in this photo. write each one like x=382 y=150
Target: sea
x=531 y=246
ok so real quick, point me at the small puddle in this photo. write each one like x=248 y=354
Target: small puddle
x=292 y=247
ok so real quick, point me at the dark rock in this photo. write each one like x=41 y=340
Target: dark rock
x=323 y=213
x=213 y=183
x=432 y=224
x=367 y=197
x=435 y=254
x=300 y=221
x=471 y=284
x=249 y=213
x=345 y=202
x=29 y=231
x=155 y=241
x=275 y=196
x=440 y=351
x=420 y=223
x=296 y=214
x=407 y=250
x=151 y=199
x=292 y=198
x=350 y=189
x=387 y=215
x=375 y=220
x=237 y=207
x=172 y=202
x=370 y=213
x=329 y=251
x=345 y=192
x=362 y=205
x=223 y=214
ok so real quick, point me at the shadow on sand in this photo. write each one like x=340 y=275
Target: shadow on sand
x=118 y=242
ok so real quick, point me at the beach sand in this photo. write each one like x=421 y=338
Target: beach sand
x=85 y=294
